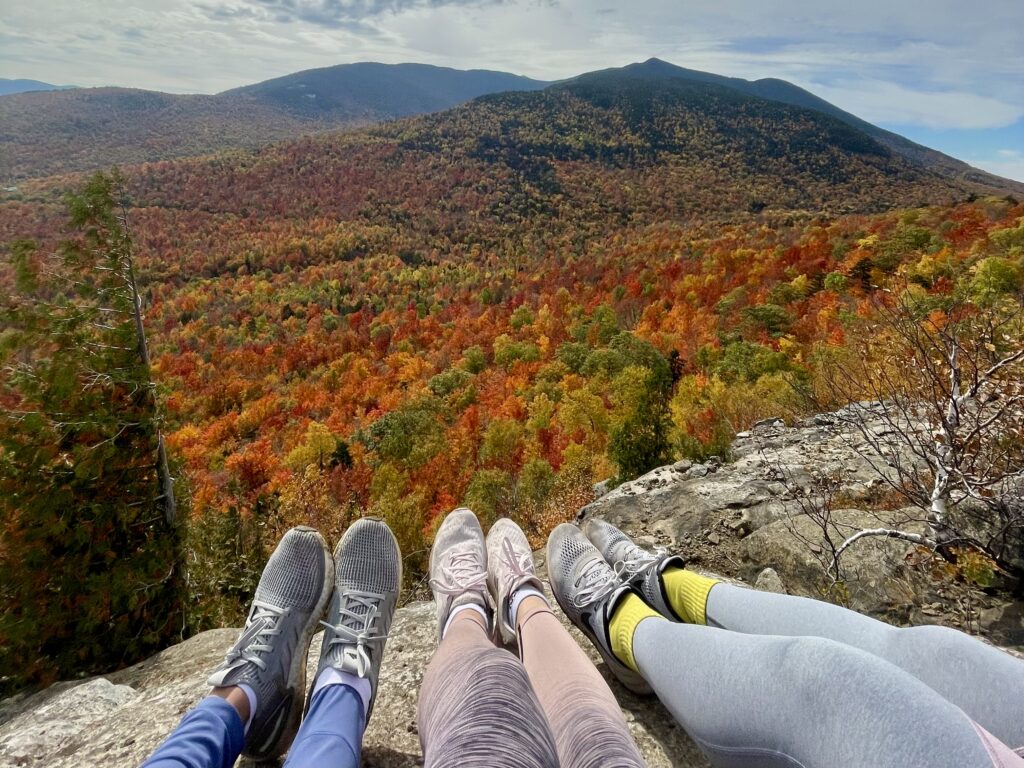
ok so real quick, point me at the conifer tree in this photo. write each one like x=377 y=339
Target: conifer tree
x=88 y=547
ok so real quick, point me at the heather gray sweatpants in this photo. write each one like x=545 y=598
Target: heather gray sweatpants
x=779 y=681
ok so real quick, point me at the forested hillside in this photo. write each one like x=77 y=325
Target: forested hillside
x=504 y=303
x=44 y=133
x=91 y=128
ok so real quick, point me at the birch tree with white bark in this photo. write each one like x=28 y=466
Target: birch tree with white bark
x=937 y=393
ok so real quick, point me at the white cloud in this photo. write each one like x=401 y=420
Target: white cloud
x=885 y=102
x=1007 y=163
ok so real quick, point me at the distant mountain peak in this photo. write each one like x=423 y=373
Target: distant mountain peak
x=8 y=87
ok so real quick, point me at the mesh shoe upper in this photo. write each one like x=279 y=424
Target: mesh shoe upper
x=509 y=567
x=588 y=590
x=458 y=565
x=367 y=583
x=640 y=567
x=270 y=654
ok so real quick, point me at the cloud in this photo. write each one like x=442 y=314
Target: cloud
x=894 y=104
x=1008 y=163
x=350 y=13
x=882 y=59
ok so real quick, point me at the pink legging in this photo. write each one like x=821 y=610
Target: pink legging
x=481 y=706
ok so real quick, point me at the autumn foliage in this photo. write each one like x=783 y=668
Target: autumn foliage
x=500 y=307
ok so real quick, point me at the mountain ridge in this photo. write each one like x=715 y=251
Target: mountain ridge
x=20 y=85
x=88 y=128
x=776 y=89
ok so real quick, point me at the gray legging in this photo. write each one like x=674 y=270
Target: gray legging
x=776 y=680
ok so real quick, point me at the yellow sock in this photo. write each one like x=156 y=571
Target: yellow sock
x=687 y=593
x=630 y=612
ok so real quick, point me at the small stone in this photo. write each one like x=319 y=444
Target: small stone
x=769 y=581
x=714 y=538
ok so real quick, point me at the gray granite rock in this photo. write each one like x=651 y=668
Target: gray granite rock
x=769 y=581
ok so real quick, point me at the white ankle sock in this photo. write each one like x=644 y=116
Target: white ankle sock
x=332 y=676
x=517 y=598
x=250 y=694
x=465 y=606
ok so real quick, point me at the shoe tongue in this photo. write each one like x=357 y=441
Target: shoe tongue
x=360 y=609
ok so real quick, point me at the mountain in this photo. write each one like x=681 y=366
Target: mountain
x=608 y=149
x=8 y=87
x=377 y=92
x=44 y=133
x=82 y=129
x=787 y=93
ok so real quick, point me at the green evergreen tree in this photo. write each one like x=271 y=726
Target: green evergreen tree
x=88 y=545
x=640 y=436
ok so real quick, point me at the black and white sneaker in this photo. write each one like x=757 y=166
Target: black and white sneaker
x=634 y=564
x=588 y=591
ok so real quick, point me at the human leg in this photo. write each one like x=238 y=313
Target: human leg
x=368 y=579
x=209 y=736
x=585 y=718
x=985 y=682
x=476 y=705
x=751 y=700
x=803 y=701
x=257 y=698
x=331 y=735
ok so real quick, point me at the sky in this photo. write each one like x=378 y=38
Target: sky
x=945 y=73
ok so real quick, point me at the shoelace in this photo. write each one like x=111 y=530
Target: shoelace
x=596 y=581
x=256 y=639
x=355 y=629
x=517 y=567
x=463 y=573
x=639 y=561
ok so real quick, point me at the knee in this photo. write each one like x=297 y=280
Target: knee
x=931 y=633
x=931 y=642
x=478 y=675
x=815 y=664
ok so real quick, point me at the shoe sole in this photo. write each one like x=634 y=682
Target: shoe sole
x=297 y=673
x=334 y=557
x=632 y=681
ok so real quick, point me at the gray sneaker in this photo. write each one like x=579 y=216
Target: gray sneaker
x=640 y=567
x=588 y=590
x=367 y=582
x=270 y=654
x=509 y=567
x=458 y=566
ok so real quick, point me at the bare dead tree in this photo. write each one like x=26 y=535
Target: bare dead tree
x=937 y=395
x=815 y=501
x=128 y=267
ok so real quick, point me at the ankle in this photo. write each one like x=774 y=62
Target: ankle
x=687 y=593
x=467 y=612
x=331 y=676
x=625 y=619
x=242 y=698
x=524 y=603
